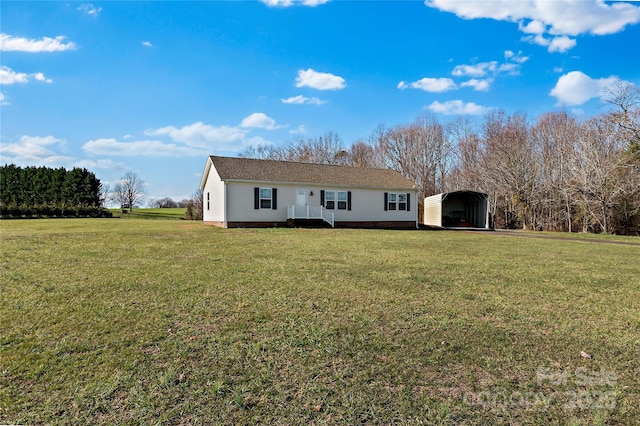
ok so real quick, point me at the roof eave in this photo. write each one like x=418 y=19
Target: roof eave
x=205 y=174
x=326 y=184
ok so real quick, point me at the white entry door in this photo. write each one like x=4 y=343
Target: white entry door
x=302 y=199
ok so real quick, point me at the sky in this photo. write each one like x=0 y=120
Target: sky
x=155 y=87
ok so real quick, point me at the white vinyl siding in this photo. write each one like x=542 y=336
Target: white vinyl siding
x=366 y=204
x=214 y=198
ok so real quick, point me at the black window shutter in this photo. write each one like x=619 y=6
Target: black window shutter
x=408 y=202
x=386 y=200
x=274 y=198
x=348 y=200
x=256 y=198
x=322 y=197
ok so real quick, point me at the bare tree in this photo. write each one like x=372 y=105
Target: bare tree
x=363 y=154
x=326 y=149
x=194 y=206
x=469 y=171
x=512 y=167
x=419 y=151
x=604 y=176
x=553 y=137
x=104 y=195
x=129 y=191
x=625 y=98
x=260 y=152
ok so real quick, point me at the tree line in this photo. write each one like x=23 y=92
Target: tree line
x=44 y=191
x=130 y=191
x=553 y=173
x=192 y=206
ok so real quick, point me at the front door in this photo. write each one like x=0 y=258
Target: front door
x=301 y=199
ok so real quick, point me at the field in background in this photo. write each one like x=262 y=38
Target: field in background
x=163 y=321
x=148 y=213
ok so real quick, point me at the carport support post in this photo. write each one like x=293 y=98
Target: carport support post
x=486 y=220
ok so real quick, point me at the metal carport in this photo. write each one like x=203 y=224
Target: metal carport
x=460 y=209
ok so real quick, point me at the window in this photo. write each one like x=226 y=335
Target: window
x=342 y=200
x=402 y=201
x=392 y=201
x=331 y=200
x=265 y=198
x=207 y=201
x=397 y=201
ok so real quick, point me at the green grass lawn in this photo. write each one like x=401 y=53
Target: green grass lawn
x=107 y=321
x=149 y=213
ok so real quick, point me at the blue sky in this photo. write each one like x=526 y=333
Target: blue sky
x=155 y=87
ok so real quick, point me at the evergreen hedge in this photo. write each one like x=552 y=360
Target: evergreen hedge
x=49 y=192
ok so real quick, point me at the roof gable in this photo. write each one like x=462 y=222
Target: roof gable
x=249 y=169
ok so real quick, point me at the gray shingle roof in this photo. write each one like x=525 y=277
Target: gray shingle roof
x=248 y=169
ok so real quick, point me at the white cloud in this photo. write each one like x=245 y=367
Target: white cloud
x=302 y=100
x=576 y=88
x=46 y=44
x=147 y=44
x=515 y=57
x=561 y=44
x=509 y=68
x=300 y=130
x=89 y=9
x=100 y=165
x=554 y=18
x=259 y=120
x=9 y=76
x=147 y=148
x=3 y=99
x=40 y=77
x=202 y=135
x=457 y=107
x=483 y=68
x=34 y=150
x=187 y=141
x=319 y=80
x=289 y=3
x=313 y=3
x=478 y=85
x=556 y=44
x=433 y=85
x=532 y=27
x=278 y=3
x=477 y=70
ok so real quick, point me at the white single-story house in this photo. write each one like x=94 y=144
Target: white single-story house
x=244 y=192
x=460 y=209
